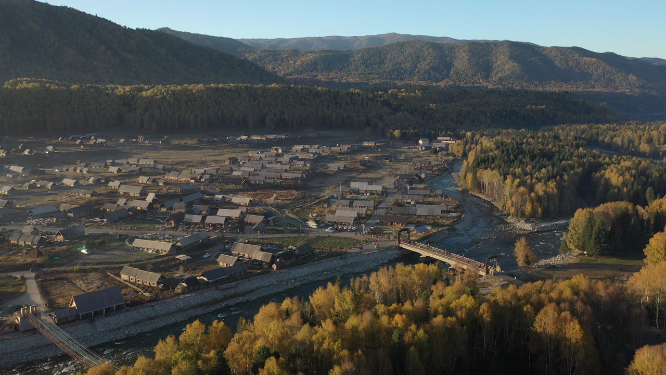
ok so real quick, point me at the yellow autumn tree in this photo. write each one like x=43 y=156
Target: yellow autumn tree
x=649 y=360
x=524 y=254
x=655 y=250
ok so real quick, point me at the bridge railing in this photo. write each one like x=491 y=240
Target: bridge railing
x=445 y=254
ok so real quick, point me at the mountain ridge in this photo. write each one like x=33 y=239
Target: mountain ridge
x=39 y=40
x=341 y=43
x=631 y=85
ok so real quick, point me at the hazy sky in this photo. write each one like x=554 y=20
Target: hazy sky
x=630 y=28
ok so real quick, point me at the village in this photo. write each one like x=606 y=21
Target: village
x=93 y=224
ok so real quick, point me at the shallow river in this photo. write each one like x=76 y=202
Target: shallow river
x=481 y=234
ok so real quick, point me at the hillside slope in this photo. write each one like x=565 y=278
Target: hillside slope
x=43 y=41
x=491 y=64
x=227 y=45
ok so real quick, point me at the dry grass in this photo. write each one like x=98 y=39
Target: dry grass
x=58 y=288
x=11 y=287
x=602 y=268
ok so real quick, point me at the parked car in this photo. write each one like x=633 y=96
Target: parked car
x=207 y=255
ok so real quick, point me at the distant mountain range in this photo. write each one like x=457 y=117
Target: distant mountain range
x=38 y=40
x=629 y=84
x=341 y=43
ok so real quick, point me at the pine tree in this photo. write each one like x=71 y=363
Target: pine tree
x=599 y=237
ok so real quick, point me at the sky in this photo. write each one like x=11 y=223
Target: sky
x=629 y=28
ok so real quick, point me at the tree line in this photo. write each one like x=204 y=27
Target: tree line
x=641 y=139
x=616 y=228
x=30 y=105
x=413 y=320
x=547 y=174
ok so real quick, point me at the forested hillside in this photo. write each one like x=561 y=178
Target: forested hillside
x=548 y=174
x=635 y=86
x=219 y=43
x=43 y=41
x=491 y=64
x=32 y=105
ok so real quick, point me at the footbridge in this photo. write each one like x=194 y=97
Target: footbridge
x=489 y=267
x=482 y=268
x=29 y=318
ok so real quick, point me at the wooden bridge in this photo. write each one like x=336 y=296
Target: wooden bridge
x=489 y=267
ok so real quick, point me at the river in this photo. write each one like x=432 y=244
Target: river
x=481 y=233
x=484 y=232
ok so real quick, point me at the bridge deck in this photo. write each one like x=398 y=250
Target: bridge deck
x=445 y=256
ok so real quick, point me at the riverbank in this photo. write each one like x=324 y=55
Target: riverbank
x=118 y=326
x=522 y=225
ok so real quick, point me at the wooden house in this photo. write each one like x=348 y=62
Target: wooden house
x=253 y=252
x=157 y=247
x=133 y=191
x=135 y=275
x=98 y=302
x=70 y=233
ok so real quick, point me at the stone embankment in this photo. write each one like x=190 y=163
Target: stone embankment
x=132 y=321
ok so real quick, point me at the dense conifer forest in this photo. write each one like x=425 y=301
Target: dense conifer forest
x=30 y=105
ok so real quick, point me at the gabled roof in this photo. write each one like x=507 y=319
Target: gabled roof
x=171 y=202
x=192 y=218
x=86 y=208
x=44 y=210
x=192 y=197
x=229 y=213
x=287 y=256
x=191 y=281
x=347 y=219
x=72 y=232
x=65 y=313
x=254 y=219
x=246 y=248
x=366 y=204
x=139 y=203
x=304 y=249
x=241 y=200
x=222 y=272
x=131 y=189
x=15 y=236
x=185 y=241
x=98 y=300
x=216 y=219
x=156 y=245
x=227 y=259
x=138 y=274
x=340 y=202
x=28 y=229
x=116 y=215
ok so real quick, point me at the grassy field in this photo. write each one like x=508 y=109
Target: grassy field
x=602 y=268
x=10 y=288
